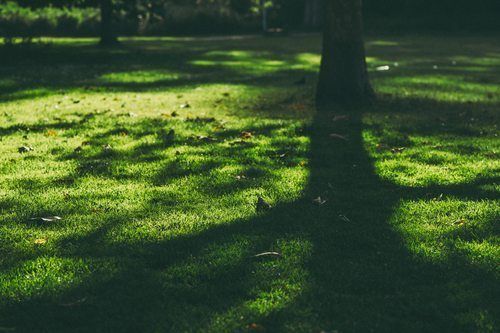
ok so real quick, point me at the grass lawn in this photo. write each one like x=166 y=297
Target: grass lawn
x=391 y=224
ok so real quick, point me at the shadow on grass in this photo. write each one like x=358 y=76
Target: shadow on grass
x=343 y=266
x=53 y=68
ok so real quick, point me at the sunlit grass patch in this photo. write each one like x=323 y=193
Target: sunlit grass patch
x=139 y=77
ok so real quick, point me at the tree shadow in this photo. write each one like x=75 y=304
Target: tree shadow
x=343 y=265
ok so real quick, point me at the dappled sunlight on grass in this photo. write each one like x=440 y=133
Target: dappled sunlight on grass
x=51 y=277
x=154 y=155
x=139 y=76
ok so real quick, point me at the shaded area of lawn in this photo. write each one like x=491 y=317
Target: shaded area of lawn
x=160 y=234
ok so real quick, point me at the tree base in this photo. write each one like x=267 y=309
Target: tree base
x=325 y=98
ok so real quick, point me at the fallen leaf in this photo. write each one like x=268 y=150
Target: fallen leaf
x=255 y=327
x=344 y=218
x=206 y=138
x=75 y=303
x=47 y=218
x=397 y=150
x=246 y=135
x=319 y=201
x=51 y=133
x=24 y=149
x=381 y=146
x=185 y=106
x=265 y=254
x=439 y=197
x=341 y=118
x=338 y=136
x=262 y=204
x=382 y=68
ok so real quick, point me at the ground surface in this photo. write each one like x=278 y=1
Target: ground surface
x=159 y=230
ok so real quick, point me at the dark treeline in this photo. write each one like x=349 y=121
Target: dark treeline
x=29 y=18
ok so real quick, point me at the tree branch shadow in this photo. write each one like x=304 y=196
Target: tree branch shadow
x=352 y=272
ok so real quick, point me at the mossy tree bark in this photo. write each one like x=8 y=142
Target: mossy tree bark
x=107 y=35
x=343 y=76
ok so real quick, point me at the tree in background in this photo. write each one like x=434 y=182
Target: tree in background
x=343 y=76
x=312 y=13
x=107 y=35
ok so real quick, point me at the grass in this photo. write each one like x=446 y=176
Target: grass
x=159 y=232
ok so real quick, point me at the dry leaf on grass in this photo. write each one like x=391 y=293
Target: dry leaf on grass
x=267 y=254
x=75 y=303
x=382 y=68
x=341 y=117
x=338 y=136
x=397 y=150
x=344 y=218
x=246 y=135
x=319 y=201
x=206 y=138
x=256 y=327
x=51 y=133
x=24 y=149
x=262 y=204
x=47 y=218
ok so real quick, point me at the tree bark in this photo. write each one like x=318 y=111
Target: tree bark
x=343 y=76
x=107 y=35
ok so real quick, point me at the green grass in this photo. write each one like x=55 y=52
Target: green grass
x=160 y=233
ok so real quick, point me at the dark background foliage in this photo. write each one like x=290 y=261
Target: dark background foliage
x=30 y=18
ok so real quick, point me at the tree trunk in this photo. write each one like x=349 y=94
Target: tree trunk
x=343 y=77
x=107 y=35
